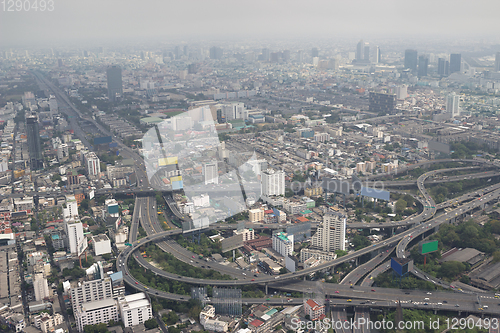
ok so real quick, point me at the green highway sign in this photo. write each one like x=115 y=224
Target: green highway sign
x=429 y=247
x=128 y=244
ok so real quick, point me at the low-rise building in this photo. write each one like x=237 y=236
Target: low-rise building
x=46 y=322
x=314 y=310
x=96 y=312
x=102 y=244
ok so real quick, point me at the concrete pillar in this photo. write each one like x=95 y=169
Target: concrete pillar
x=266 y=289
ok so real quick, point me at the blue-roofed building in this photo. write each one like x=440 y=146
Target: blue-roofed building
x=117 y=283
x=57 y=241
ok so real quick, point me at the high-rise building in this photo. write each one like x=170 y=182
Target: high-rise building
x=210 y=173
x=375 y=54
x=135 y=309
x=411 y=59
x=34 y=147
x=455 y=63
x=366 y=54
x=330 y=235
x=401 y=92
x=497 y=62
x=273 y=183
x=90 y=291
x=266 y=54
x=382 y=102
x=74 y=233
x=314 y=52
x=92 y=164
x=70 y=209
x=283 y=243
x=96 y=312
x=423 y=65
x=41 y=287
x=452 y=105
x=360 y=49
x=115 y=85
x=443 y=67
x=216 y=53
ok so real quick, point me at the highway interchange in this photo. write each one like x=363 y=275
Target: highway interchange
x=426 y=223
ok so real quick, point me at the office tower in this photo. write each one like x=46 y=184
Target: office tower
x=265 y=55
x=497 y=62
x=177 y=52
x=60 y=63
x=411 y=59
x=90 y=291
x=283 y=243
x=300 y=56
x=273 y=183
x=455 y=63
x=375 y=55
x=330 y=235
x=74 y=233
x=360 y=49
x=210 y=173
x=453 y=105
x=382 y=103
x=135 y=309
x=366 y=56
x=286 y=55
x=186 y=50
x=423 y=65
x=115 y=86
x=34 y=147
x=216 y=53
x=443 y=67
x=314 y=52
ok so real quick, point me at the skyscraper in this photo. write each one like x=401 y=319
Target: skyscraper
x=443 y=67
x=35 y=150
x=330 y=235
x=452 y=105
x=210 y=173
x=366 y=56
x=216 y=53
x=115 y=86
x=315 y=52
x=273 y=183
x=497 y=62
x=411 y=59
x=455 y=63
x=360 y=49
x=423 y=64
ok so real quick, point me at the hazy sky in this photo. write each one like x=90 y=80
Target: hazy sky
x=99 y=20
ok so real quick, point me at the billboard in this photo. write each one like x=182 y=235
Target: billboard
x=167 y=161
x=401 y=266
x=375 y=193
x=196 y=224
x=177 y=185
x=439 y=146
x=82 y=246
x=335 y=186
x=91 y=195
x=175 y=179
x=300 y=232
x=102 y=140
x=429 y=247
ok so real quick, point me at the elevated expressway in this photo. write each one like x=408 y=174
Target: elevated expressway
x=286 y=281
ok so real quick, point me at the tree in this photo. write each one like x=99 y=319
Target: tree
x=151 y=323
x=283 y=270
x=400 y=205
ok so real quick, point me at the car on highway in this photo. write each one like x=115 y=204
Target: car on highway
x=136 y=282
x=349 y=300
x=337 y=292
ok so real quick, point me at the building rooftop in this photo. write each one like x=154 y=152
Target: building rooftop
x=104 y=303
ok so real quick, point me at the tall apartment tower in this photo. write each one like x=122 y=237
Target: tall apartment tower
x=34 y=147
x=210 y=173
x=74 y=233
x=273 y=182
x=115 y=85
x=411 y=59
x=455 y=63
x=330 y=236
x=91 y=291
x=452 y=105
x=497 y=62
x=314 y=52
x=92 y=164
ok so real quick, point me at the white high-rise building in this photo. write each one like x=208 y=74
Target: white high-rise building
x=62 y=151
x=96 y=312
x=401 y=92
x=70 y=210
x=92 y=163
x=330 y=235
x=273 y=183
x=74 y=232
x=283 y=243
x=452 y=105
x=135 y=309
x=41 y=287
x=210 y=173
x=234 y=110
x=90 y=291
